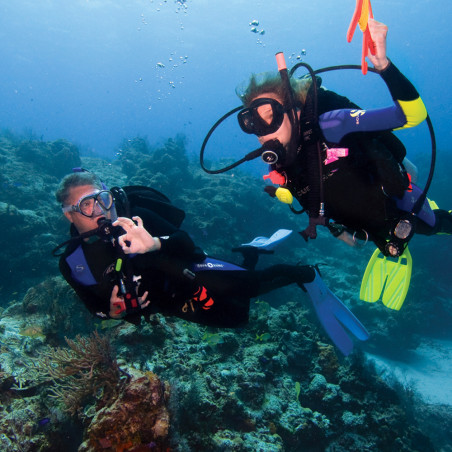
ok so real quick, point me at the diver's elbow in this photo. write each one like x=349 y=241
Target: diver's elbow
x=414 y=111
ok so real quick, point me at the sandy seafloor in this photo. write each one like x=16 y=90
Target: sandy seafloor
x=426 y=370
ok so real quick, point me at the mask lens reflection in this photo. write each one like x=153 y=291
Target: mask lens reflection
x=95 y=204
x=265 y=113
x=105 y=199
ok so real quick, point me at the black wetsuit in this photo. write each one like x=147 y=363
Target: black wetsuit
x=361 y=189
x=214 y=297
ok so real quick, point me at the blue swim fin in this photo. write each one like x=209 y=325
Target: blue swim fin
x=334 y=315
x=268 y=243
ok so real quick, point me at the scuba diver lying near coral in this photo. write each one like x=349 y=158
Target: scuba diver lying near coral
x=342 y=164
x=142 y=263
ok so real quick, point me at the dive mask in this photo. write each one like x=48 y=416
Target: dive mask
x=263 y=117
x=95 y=204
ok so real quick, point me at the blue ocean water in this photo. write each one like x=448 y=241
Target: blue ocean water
x=98 y=71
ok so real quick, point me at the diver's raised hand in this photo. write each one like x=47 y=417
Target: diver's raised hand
x=136 y=240
x=378 y=32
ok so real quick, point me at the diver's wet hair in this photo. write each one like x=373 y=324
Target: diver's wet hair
x=270 y=82
x=75 y=180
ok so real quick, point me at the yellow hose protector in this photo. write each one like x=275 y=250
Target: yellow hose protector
x=432 y=204
x=414 y=111
x=284 y=195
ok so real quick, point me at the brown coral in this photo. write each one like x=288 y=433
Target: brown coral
x=138 y=420
x=327 y=360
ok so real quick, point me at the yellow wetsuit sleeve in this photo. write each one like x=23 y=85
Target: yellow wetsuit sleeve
x=414 y=111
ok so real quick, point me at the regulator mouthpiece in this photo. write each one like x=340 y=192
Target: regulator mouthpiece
x=273 y=151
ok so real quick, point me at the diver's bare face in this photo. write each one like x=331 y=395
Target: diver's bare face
x=283 y=134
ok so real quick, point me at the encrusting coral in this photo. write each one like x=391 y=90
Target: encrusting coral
x=138 y=420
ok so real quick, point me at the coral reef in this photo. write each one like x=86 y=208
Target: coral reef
x=122 y=409
x=50 y=157
x=276 y=385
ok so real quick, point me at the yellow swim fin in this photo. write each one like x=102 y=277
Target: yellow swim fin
x=387 y=278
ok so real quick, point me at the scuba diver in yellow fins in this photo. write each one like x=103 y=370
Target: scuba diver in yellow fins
x=342 y=163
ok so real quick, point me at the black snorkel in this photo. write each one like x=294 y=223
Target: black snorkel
x=286 y=156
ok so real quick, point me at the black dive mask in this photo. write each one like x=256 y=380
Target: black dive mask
x=253 y=120
x=263 y=117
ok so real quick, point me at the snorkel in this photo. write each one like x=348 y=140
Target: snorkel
x=287 y=156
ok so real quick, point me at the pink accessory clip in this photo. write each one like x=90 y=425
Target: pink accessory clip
x=333 y=154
